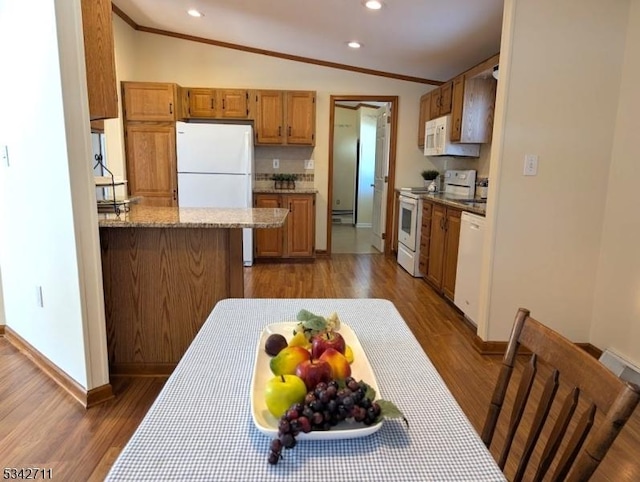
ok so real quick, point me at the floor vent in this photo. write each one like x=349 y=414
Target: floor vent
x=621 y=367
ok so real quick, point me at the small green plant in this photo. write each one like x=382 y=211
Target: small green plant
x=429 y=175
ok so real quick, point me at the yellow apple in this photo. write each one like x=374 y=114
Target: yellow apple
x=283 y=391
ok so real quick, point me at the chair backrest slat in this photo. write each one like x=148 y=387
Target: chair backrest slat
x=518 y=407
x=549 y=393
x=585 y=377
x=557 y=433
x=575 y=444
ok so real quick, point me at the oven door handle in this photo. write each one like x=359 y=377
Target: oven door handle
x=408 y=200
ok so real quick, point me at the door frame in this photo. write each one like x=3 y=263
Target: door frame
x=393 y=100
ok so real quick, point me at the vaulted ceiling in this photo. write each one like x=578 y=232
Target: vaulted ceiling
x=422 y=39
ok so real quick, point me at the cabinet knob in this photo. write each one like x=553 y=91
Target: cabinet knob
x=175 y=194
x=170 y=107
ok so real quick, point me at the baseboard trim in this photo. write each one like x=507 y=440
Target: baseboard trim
x=500 y=347
x=142 y=369
x=1 y=330
x=87 y=398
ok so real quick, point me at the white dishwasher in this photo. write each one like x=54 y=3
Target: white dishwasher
x=467 y=291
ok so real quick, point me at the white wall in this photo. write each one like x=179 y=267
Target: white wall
x=345 y=136
x=560 y=68
x=616 y=313
x=47 y=201
x=164 y=59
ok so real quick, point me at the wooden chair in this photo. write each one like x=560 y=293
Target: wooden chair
x=586 y=377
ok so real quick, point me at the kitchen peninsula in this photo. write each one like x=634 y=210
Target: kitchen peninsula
x=164 y=269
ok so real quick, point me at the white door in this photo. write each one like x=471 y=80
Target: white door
x=380 y=179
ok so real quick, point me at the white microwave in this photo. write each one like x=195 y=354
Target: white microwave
x=437 y=140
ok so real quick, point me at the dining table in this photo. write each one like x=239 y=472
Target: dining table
x=202 y=426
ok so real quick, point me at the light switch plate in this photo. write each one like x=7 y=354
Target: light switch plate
x=530 y=165
x=276 y=163
x=4 y=154
x=308 y=164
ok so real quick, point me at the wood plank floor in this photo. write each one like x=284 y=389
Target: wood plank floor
x=42 y=426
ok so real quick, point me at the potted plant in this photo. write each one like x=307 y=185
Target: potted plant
x=277 y=180
x=430 y=179
x=284 y=181
x=290 y=181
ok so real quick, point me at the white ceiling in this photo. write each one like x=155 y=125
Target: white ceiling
x=428 y=39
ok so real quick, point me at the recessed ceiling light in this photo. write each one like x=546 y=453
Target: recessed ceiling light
x=354 y=45
x=373 y=4
x=194 y=13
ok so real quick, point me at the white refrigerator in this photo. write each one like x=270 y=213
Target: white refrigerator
x=215 y=169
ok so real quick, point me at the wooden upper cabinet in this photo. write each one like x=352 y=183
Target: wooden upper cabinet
x=456 y=108
x=99 y=59
x=269 y=117
x=233 y=103
x=151 y=163
x=202 y=102
x=285 y=117
x=301 y=117
x=441 y=100
x=424 y=116
x=218 y=103
x=150 y=101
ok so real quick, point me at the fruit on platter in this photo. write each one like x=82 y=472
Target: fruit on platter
x=313 y=372
x=340 y=367
x=274 y=344
x=348 y=353
x=325 y=340
x=311 y=324
x=299 y=339
x=326 y=405
x=285 y=362
x=283 y=391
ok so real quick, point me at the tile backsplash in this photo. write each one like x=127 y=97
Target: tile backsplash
x=291 y=160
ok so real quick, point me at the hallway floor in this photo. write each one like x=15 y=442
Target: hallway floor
x=347 y=239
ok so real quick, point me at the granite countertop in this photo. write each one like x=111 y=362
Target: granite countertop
x=472 y=206
x=174 y=217
x=299 y=190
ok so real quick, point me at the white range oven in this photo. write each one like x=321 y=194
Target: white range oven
x=409 y=223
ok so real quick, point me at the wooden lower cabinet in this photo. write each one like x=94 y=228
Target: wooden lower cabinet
x=151 y=163
x=425 y=237
x=444 y=236
x=297 y=238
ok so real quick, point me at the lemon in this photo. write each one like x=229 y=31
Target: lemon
x=348 y=353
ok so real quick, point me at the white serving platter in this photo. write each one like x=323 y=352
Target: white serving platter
x=268 y=424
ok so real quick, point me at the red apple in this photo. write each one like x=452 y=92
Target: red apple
x=313 y=372
x=327 y=339
x=340 y=367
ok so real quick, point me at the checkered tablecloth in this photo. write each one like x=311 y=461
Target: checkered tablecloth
x=200 y=426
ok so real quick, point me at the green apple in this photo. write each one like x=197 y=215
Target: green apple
x=283 y=391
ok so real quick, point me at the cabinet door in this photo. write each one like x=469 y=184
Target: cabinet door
x=456 y=108
x=301 y=118
x=151 y=163
x=425 y=106
x=233 y=104
x=99 y=59
x=445 y=98
x=436 y=245
x=202 y=103
x=269 y=117
x=300 y=224
x=451 y=252
x=268 y=242
x=425 y=237
x=434 y=109
x=149 y=101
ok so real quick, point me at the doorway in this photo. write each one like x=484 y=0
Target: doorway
x=362 y=139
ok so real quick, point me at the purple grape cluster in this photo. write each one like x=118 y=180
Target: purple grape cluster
x=324 y=406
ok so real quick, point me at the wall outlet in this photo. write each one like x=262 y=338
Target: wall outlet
x=276 y=163
x=530 y=165
x=308 y=164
